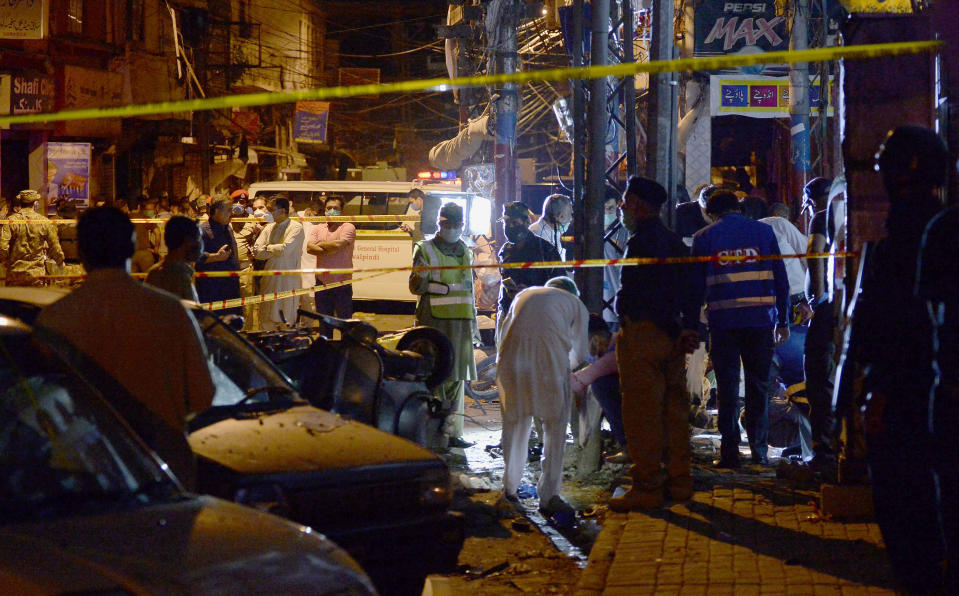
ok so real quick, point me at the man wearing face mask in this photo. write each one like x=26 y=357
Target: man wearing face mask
x=555 y=221
x=446 y=303
x=521 y=247
x=415 y=207
x=615 y=236
x=332 y=244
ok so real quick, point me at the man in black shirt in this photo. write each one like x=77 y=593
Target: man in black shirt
x=521 y=247
x=660 y=319
x=819 y=362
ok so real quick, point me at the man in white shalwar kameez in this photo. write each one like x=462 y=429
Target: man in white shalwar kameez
x=544 y=335
x=280 y=244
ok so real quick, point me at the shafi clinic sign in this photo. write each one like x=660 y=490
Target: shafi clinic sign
x=26 y=93
x=68 y=171
x=23 y=19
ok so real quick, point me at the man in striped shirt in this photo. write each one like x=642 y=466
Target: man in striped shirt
x=747 y=305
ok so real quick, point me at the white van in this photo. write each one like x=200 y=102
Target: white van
x=381 y=244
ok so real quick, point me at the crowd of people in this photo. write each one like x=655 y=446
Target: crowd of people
x=893 y=388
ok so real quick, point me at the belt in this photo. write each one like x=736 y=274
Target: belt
x=797 y=299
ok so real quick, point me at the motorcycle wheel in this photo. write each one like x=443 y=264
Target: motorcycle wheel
x=484 y=387
x=434 y=344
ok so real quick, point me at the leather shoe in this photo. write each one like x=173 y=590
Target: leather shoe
x=619 y=458
x=460 y=443
x=633 y=500
x=726 y=464
x=760 y=460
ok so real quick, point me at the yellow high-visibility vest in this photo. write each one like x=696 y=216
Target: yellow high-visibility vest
x=458 y=303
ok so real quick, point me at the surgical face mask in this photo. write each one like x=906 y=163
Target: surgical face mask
x=450 y=235
x=516 y=233
x=149 y=213
x=332 y=212
x=610 y=218
x=561 y=228
x=415 y=207
x=263 y=214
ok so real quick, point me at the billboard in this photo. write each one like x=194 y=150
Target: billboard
x=68 y=171
x=739 y=28
x=310 y=123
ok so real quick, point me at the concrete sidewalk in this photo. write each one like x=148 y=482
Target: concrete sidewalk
x=744 y=532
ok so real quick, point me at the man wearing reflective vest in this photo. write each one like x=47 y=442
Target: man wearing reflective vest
x=446 y=303
x=747 y=306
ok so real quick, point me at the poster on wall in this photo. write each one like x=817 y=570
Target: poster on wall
x=722 y=28
x=311 y=120
x=68 y=171
x=23 y=19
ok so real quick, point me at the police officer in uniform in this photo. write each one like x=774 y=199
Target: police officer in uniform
x=890 y=349
x=26 y=248
x=446 y=303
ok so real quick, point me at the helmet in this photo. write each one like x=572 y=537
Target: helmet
x=913 y=155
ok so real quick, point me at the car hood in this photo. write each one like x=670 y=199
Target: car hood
x=196 y=545
x=300 y=439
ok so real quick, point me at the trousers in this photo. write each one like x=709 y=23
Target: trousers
x=819 y=365
x=753 y=346
x=515 y=439
x=652 y=377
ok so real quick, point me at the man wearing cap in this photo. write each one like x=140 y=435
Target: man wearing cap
x=25 y=248
x=446 y=303
x=659 y=318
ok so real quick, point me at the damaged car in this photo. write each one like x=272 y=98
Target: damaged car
x=382 y=498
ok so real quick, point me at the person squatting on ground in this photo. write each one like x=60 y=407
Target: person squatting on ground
x=747 y=304
x=938 y=286
x=220 y=253
x=891 y=351
x=280 y=245
x=601 y=377
x=659 y=318
x=332 y=245
x=175 y=272
x=446 y=303
x=544 y=336
x=26 y=249
x=117 y=322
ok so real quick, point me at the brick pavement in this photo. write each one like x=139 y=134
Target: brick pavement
x=744 y=532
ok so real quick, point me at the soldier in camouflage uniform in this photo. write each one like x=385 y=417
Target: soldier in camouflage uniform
x=26 y=248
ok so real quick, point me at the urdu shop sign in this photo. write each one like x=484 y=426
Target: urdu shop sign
x=23 y=19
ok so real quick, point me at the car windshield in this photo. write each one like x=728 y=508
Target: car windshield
x=238 y=369
x=61 y=448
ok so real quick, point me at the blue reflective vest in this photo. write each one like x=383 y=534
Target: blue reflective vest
x=742 y=293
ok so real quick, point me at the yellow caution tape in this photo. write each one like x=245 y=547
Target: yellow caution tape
x=578 y=264
x=162 y=221
x=443 y=84
x=250 y=300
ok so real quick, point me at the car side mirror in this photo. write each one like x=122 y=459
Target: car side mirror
x=234 y=322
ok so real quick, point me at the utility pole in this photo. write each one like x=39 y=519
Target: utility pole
x=504 y=151
x=663 y=100
x=799 y=93
x=577 y=109
x=591 y=279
